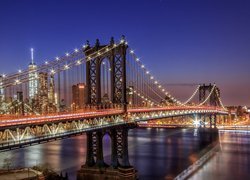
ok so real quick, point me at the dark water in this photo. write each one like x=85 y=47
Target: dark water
x=232 y=162
x=155 y=153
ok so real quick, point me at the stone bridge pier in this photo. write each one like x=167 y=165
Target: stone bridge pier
x=95 y=168
x=208 y=131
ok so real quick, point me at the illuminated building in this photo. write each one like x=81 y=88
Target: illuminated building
x=79 y=95
x=33 y=81
x=52 y=95
x=130 y=96
x=105 y=99
x=20 y=106
x=43 y=92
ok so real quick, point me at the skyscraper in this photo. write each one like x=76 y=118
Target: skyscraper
x=79 y=94
x=51 y=95
x=43 y=92
x=130 y=96
x=33 y=77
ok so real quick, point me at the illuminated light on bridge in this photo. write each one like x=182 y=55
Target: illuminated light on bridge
x=52 y=71
x=122 y=41
x=66 y=66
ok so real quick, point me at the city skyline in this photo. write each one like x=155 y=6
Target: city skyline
x=211 y=47
x=145 y=89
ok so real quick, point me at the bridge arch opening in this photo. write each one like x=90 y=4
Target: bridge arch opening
x=105 y=82
x=106 y=141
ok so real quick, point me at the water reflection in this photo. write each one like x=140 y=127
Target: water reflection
x=232 y=162
x=65 y=155
x=155 y=153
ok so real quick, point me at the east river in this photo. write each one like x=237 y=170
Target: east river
x=155 y=153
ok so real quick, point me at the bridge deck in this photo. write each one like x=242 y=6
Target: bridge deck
x=7 y=121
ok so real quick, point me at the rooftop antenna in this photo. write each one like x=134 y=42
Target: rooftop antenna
x=32 y=55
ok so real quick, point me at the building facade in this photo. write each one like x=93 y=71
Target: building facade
x=79 y=96
x=33 y=81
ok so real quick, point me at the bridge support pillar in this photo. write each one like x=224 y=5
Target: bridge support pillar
x=208 y=135
x=203 y=121
x=114 y=154
x=213 y=121
x=99 y=170
x=90 y=155
x=99 y=150
x=125 y=157
x=225 y=119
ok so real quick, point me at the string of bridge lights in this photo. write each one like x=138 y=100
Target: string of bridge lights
x=139 y=75
x=52 y=62
x=145 y=98
x=167 y=94
x=156 y=82
x=101 y=52
x=160 y=87
x=192 y=96
x=98 y=53
x=87 y=58
x=222 y=105
x=152 y=78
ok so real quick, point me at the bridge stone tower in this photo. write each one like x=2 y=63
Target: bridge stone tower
x=116 y=55
x=208 y=133
x=205 y=90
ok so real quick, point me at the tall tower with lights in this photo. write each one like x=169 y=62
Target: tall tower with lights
x=33 y=77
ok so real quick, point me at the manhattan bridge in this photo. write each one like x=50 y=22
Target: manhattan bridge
x=97 y=89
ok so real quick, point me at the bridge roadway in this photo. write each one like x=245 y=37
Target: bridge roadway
x=18 y=132
x=54 y=118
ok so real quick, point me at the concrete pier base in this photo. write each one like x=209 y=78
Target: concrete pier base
x=95 y=173
x=208 y=135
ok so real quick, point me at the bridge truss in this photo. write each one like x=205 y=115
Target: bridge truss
x=37 y=130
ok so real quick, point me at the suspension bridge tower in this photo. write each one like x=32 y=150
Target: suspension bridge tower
x=209 y=95
x=116 y=56
x=95 y=167
x=212 y=92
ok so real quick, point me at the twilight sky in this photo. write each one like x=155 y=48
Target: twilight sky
x=180 y=41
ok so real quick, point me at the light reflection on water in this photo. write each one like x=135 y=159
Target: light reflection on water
x=231 y=162
x=156 y=153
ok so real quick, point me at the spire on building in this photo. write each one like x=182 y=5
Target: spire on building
x=32 y=56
